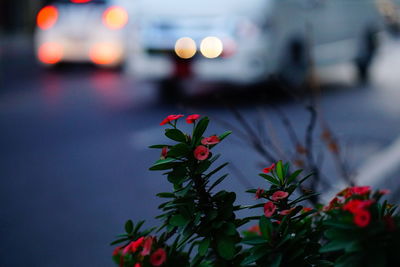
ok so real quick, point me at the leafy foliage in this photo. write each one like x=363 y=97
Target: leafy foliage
x=199 y=225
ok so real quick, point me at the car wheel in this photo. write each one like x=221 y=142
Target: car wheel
x=295 y=65
x=367 y=50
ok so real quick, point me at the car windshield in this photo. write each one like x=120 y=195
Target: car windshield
x=196 y=7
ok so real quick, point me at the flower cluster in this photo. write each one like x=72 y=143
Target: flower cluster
x=141 y=251
x=357 y=201
x=356 y=228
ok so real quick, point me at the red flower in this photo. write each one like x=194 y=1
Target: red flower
x=192 y=118
x=360 y=190
x=164 y=152
x=138 y=265
x=307 y=209
x=269 y=169
x=384 y=191
x=201 y=153
x=269 y=209
x=133 y=246
x=158 y=257
x=212 y=140
x=278 y=195
x=116 y=251
x=332 y=204
x=147 y=243
x=255 y=229
x=356 y=205
x=286 y=212
x=259 y=193
x=362 y=218
x=170 y=118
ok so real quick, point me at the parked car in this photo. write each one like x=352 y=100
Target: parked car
x=247 y=41
x=82 y=31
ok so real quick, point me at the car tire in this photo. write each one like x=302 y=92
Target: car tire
x=367 y=50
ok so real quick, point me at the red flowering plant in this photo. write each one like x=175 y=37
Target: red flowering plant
x=361 y=229
x=194 y=215
x=199 y=226
x=287 y=233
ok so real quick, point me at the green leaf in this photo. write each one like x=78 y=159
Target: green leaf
x=226 y=247
x=200 y=129
x=217 y=169
x=254 y=240
x=138 y=225
x=177 y=220
x=119 y=241
x=175 y=135
x=179 y=150
x=163 y=164
x=334 y=246
x=265 y=227
x=256 y=254
x=305 y=178
x=279 y=170
x=217 y=182
x=203 y=166
x=166 y=195
x=277 y=261
x=224 y=135
x=159 y=146
x=129 y=226
x=203 y=246
x=293 y=176
x=270 y=179
x=229 y=229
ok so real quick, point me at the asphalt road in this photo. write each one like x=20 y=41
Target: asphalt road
x=74 y=157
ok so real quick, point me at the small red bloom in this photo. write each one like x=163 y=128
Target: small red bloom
x=362 y=218
x=138 y=265
x=286 y=212
x=384 y=191
x=259 y=193
x=158 y=257
x=332 y=204
x=148 y=241
x=307 y=209
x=356 y=205
x=278 y=195
x=201 y=153
x=269 y=209
x=192 y=118
x=255 y=229
x=116 y=251
x=212 y=140
x=170 y=118
x=164 y=152
x=269 y=169
x=360 y=190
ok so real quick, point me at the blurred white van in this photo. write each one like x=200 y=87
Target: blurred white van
x=247 y=41
x=82 y=31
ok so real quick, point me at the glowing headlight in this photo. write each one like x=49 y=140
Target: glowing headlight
x=185 y=47
x=211 y=47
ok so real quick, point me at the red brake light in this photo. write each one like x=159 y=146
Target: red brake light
x=115 y=17
x=47 y=17
x=80 y=1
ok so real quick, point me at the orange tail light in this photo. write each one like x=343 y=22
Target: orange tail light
x=115 y=17
x=50 y=53
x=47 y=17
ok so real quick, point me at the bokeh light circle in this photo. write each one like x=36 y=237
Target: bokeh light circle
x=211 y=47
x=185 y=47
